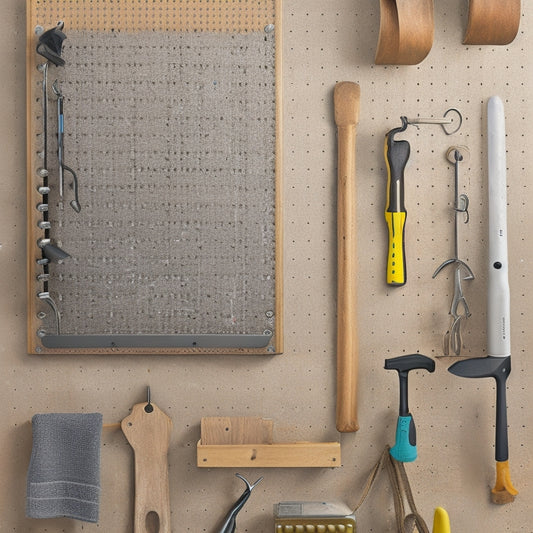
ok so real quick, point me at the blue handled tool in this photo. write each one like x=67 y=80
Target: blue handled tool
x=404 y=450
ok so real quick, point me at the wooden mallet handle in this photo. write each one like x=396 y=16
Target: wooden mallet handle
x=346 y=99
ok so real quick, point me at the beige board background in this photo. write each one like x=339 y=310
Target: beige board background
x=324 y=42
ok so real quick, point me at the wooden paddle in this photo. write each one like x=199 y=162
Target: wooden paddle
x=346 y=99
x=148 y=430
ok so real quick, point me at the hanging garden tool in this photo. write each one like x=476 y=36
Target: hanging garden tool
x=230 y=523
x=498 y=362
x=396 y=156
x=459 y=310
x=404 y=449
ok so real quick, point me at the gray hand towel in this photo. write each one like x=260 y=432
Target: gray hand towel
x=64 y=471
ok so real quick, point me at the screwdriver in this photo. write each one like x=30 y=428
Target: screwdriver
x=396 y=157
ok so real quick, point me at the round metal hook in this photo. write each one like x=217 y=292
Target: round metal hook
x=445 y=127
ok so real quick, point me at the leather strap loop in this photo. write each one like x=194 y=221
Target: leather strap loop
x=401 y=492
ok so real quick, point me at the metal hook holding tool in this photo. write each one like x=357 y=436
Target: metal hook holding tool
x=459 y=310
x=75 y=204
x=443 y=122
x=229 y=523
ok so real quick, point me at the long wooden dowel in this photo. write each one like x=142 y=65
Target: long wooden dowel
x=346 y=102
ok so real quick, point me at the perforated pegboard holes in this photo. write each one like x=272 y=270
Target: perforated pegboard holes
x=217 y=16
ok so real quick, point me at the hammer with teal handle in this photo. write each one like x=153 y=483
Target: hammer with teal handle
x=404 y=450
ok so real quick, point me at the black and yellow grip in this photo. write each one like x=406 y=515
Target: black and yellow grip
x=396 y=157
x=396 y=273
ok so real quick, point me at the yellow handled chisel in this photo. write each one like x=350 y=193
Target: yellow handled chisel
x=441 y=521
x=396 y=157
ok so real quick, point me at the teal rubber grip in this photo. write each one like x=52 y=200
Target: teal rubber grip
x=404 y=450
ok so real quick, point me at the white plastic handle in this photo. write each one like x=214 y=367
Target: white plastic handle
x=498 y=305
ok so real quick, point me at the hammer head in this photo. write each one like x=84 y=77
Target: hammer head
x=404 y=363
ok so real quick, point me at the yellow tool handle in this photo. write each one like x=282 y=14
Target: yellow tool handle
x=441 y=521
x=396 y=157
x=396 y=274
x=503 y=491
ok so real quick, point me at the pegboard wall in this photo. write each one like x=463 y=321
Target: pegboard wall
x=171 y=117
x=455 y=418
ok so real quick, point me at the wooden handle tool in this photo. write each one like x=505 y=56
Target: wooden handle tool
x=346 y=99
x=148 y=431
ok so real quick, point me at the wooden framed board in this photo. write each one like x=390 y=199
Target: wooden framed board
x=171 y=122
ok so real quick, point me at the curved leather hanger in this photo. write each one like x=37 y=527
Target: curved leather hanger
x=405 y=32
x=492 y=21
